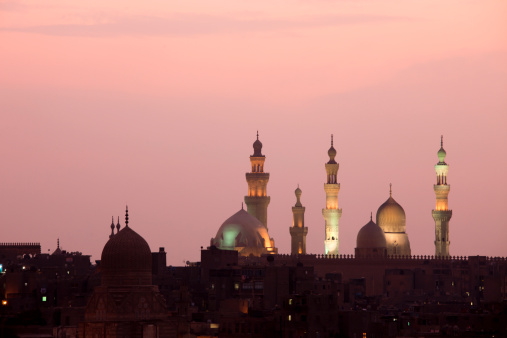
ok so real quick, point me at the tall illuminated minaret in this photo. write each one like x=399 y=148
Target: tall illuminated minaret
x=331 y=213
x=298 y=230
x=442 y=215
x=257 y=200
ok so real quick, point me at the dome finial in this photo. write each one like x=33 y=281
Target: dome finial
x=127 y=216
x=112 y=227
x=257 y=134
x=118 y=225
x=58 y=243
x=371 y=216
x=442 y=141
x=390 y=190
x=331 y=152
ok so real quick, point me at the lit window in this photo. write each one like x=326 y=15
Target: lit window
x=44 y=298
x=4 y=302
x=289 y=318
x=236 y=286
x=290 y=301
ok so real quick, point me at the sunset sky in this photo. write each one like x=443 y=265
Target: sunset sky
x=156 y=105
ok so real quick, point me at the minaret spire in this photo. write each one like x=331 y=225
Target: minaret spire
x=331 y=213
x=442 y=215
x=112 y=227
x=298 y=230
x=127 y=216
x=118 y=225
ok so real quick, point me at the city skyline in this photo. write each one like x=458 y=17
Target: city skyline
x=157 y=107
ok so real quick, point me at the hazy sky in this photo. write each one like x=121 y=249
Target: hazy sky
x=156 y=104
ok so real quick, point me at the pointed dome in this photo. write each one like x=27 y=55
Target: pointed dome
x=298 y=193
x=441 y=153
x=371 y=236
x=391 y=216
x=244 y=233
x=126 y=259
x=257 y=145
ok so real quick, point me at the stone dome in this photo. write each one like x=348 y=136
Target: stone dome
x=126 y=260
x=371 y=236
x=244 y=233
x=391 y=216
x=257 y=145
x=332 y=154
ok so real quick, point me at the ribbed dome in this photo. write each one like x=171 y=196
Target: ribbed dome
x=391 y=216
x=257 y=145
x=126 y=260
x=371 y=236
x=242 y=230
x=257 y=148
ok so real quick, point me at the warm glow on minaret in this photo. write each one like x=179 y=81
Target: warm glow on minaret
x=257 y=200
x=441 y=214
x=298 y=230
x=331 y=213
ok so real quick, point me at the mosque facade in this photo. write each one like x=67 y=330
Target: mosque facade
x=247 y=231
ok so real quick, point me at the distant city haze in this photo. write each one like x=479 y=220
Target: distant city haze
x=156 y=105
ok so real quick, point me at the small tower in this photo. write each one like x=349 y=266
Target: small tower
x=298 y=230
x=257 y=200
x=331 y=213
x=442 y=215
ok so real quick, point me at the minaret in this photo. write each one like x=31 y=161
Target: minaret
x=331 y=213
x=298 y=230
x=442 y=215
x=257 y=200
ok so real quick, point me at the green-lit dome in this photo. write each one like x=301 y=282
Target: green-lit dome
x=441 y=155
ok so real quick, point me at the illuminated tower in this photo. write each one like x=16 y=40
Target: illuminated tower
x=442 y=215
x=298 y=230
x=331 y=213
x=257 y=200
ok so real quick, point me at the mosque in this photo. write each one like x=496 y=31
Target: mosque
x=247 y=231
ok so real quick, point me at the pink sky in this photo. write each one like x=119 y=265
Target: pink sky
x=157 y=105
